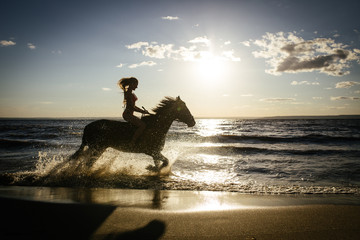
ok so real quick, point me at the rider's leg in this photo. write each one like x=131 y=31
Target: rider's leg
x=141 y=126
x=138 y=132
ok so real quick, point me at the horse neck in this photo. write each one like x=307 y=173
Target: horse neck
x=164 y=121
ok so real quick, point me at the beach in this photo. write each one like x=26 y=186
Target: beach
x=54 y=213
x=226 y=179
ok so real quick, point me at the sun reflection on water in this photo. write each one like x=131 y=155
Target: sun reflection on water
x=209 y=127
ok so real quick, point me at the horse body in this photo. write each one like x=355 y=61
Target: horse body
x=102 y=134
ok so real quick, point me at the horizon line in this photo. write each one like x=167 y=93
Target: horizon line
x=343 y=116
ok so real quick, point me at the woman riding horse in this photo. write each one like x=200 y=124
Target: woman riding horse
x=128 y=85
x=102 y=134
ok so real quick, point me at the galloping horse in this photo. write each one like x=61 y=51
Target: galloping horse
x=102 y=134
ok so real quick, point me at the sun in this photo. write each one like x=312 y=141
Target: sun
x=210 y=68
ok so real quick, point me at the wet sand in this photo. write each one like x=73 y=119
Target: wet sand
x=58 y=213
x=295 y=222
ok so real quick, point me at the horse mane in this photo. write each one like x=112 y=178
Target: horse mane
x=164 y=105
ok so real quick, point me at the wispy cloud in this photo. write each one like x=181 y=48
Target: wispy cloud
x=171 y=18
x=304 y=83
x=199 y=49
x=147 y=63
x=137 y=45
x=120 y=65
x=347 y=84
x=5 y=43
x=31 y=46
x=289 y=53
x=202 y=40
x=344 y=98
x=229 y=55
x=277 y=99
x=246 y=43
x=106 y=89
x=158 y=51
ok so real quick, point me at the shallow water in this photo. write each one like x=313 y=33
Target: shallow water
x=235 y=155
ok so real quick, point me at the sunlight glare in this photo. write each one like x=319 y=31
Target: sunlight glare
x=210 y=68
x=209 y=127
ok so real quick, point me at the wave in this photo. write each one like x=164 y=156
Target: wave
x=18 y=144
x=123 y=181
x=110 y=170
x=9 y=143
x=229 y=150
x=310 y=138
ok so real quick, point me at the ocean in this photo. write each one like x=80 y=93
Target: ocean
x=257 y=156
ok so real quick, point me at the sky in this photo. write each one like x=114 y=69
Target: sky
x=223 y=58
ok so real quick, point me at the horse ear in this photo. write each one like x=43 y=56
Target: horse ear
x=178 y=98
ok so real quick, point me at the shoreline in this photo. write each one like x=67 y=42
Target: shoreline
x=172 y=200
x=43 y=212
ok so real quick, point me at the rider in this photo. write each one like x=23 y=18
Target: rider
x=128 y=85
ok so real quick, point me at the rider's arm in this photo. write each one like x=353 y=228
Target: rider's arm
x=130 y=104
x=137 y=109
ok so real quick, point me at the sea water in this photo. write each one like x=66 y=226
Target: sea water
x=261 y=156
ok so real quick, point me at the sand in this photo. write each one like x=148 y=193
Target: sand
x=58 y=213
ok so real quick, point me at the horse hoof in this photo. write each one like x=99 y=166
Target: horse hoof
x=152 y=168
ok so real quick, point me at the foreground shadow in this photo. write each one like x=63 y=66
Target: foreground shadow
x=23 y=219
x=152 y=231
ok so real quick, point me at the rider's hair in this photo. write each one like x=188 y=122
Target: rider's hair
x=125 y=82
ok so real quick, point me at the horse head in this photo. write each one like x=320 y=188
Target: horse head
x=182 y=113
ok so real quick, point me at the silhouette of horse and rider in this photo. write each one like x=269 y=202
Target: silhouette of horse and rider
x=145 y=135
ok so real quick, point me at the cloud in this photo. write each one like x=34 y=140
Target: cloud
x=137 y=45
x=304 y=83
x=158 y=51
x=31 y=46
x=199 y=49
x=317 y=98
x=120 y=65
x=106 y=89
x=277 y=99
x=246 y=43
x=203 y=40
x=171 y=18
x=229 y=55
x=5 y=43
x=147 y=63
x=344 y=98
x=286 y=52
x=347 y=84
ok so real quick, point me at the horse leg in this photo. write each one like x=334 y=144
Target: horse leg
x=94 y=154
x=78 y=153
x=159 y=157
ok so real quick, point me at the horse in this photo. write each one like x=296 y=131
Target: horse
x=102 y=134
